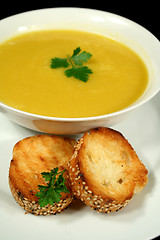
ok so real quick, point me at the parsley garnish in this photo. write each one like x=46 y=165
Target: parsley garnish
x=52 y=192
x=75 y=61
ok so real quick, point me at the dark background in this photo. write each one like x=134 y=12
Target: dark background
x=146 y=13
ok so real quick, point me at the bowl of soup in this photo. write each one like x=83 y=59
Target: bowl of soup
x=67 y=70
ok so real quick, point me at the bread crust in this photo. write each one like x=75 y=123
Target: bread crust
x=105 y=171
x=31 y=157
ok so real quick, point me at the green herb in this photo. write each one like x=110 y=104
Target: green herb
x=51 y=193
x=75 y=62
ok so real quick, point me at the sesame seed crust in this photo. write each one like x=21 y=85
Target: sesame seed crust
x=34 y=207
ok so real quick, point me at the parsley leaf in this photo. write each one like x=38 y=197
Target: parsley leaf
x=76 y=51
x=82 y=57
x=81 y=73
x=59 y=62
x=75 y=61
x=51 y=193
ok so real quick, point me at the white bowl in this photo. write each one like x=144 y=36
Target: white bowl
x=123 y=30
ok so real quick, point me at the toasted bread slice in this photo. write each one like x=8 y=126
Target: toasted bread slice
x=31 y=157
x=105 y=171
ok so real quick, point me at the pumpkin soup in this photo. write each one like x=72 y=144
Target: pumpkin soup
x=27 y=81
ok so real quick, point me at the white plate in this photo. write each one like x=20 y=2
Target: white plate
x=138 y=221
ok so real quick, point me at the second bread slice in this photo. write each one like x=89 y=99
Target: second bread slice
x=105 y=171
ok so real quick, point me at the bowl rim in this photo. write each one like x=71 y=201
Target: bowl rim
x=81 y=119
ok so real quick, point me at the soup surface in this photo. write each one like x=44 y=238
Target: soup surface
x=28 y=83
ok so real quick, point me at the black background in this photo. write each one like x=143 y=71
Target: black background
x=146 y=13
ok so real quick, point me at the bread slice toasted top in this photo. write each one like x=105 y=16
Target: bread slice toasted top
x=109 y=165
x=34 y=155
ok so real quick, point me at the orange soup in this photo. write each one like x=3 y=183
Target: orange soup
x=119 y=76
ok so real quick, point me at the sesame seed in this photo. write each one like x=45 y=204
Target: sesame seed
x=78 y=177
x=94 y=198
x=78 y=193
